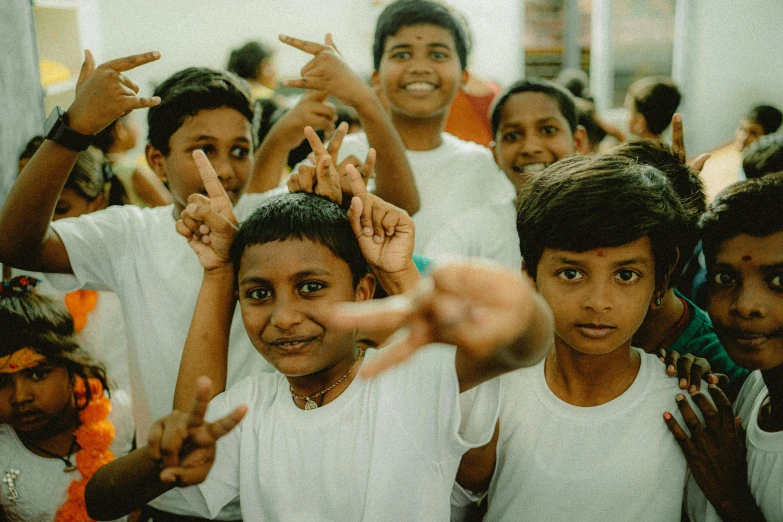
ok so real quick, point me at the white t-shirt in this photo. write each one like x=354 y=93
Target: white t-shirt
x=455 y=177
x=616 y=461
x=137 y=253
x=765 y=458
x=41 y=484
x=488 y=231
x=388 y=448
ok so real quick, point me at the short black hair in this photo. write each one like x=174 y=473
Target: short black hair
x=189 y=91
x=301 y=216
x=406 y=13
x=29 y=319
x=767 y=116
x=656 y=98
x=244 y=61
x=686 y=184
x=588 y=202
x=564 y=99
x=763 y=156
x=747 y=207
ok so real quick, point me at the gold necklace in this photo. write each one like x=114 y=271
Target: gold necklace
x=310 y=403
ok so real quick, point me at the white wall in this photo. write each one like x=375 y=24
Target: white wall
x=202 y=32
x=734 y=61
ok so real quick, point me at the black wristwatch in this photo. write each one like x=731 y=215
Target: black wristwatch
x=57 y=130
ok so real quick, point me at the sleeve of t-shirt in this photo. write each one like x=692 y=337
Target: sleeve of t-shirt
x=96 y=244
x=439 y=419
x=221 y=486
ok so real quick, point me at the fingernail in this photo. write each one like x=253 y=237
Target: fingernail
x=683 y=383
x=680 y=397
x=670 y=368
x=156 y=54
x=367 y=231
x=377 y=239
x=693 y=390
x=667 y=415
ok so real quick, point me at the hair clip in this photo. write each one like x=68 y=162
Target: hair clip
x=18 y=285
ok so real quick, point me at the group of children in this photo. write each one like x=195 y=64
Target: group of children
x=564 y=377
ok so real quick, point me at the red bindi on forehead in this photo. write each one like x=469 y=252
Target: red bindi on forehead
x=600 y=253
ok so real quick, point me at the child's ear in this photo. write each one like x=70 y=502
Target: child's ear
x=495 y=154
x=581 y=143
x=155 y=161
x=365 y=290
x=98 y=203
x=638 y=124
x=465 y=77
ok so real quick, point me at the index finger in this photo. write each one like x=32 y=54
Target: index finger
x=355 y=181
x=678 y=140
x=208 y=176
x=315 y=142
x=303 y=45
x=130 y=62
x=337 y=140
x=222 y=426
x=200 y=401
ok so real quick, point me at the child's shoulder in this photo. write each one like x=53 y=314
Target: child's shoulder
x=753 y=387
x=466 y=149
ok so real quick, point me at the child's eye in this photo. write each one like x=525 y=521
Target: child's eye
x=38 y=374
x=438 y=55
x=549 y=130
x=401 y=55
x=722 y=279
x=570 y=274
x=61 y=210
x=511 y=137
x=310 y=287
x=776 y=282
x=5 y=380
x=627 y=276
x=208 y=149
x=240 y=152
x=259 y=294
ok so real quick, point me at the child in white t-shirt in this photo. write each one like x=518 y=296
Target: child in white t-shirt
x=316 y=442
x=738 y=463
x=580 y=435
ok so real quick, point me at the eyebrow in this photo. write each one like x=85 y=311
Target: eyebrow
x=295 y=277
x=405 y=46
x=776 y=267
x=624 y=262
x=538 y=121
x=205 y=137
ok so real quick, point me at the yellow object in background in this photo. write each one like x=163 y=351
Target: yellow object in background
x=53 y=72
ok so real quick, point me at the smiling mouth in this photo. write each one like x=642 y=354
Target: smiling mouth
x=29 y=417
x=420 y=87
x=292 y=344
x=530 y=168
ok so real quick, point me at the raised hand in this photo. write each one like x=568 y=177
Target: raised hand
x=480 y=307
x=326 y=71
x=678 y=146
x=104 y=93
x=328 y=178
x=184 y=443
x=716 y=453
x=386 y=236
x=209 y=223
x=312 y=110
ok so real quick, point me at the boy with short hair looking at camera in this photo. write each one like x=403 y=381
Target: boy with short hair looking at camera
x=580 y=435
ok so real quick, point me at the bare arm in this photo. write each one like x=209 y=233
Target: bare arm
x=150 y=188
x=103 y=94
x=209 y=224
x=327 y=72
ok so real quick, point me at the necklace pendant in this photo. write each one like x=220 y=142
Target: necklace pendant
x=69 y=467
x=310 y=404
x=10 y=481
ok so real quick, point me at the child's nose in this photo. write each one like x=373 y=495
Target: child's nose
x=748 y=304
x=223 y=168
x=21 y=392
x=285 y=314
x=597 y=297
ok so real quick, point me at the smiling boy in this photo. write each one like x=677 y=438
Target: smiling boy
x=136 y=252
x=534 y=124
x=579 y=433
x=419 y=55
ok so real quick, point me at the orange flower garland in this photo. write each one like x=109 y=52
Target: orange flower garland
x=94 y=437
x=80 y=303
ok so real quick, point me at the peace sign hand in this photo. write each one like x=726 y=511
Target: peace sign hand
x=184 y=443
x=326 y=71
x=104 y=93
x=209 y=223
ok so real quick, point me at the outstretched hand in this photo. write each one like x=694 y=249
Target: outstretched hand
x=477 y=306
x=184 y=443
x=690 y=370
x=209 y=223
x=104 y=93
x=327 y=71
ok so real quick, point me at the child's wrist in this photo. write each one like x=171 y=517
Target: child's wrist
x=222 y=271
x=399 y=282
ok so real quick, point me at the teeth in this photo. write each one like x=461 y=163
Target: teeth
x=420 y=86
x=534 y=167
